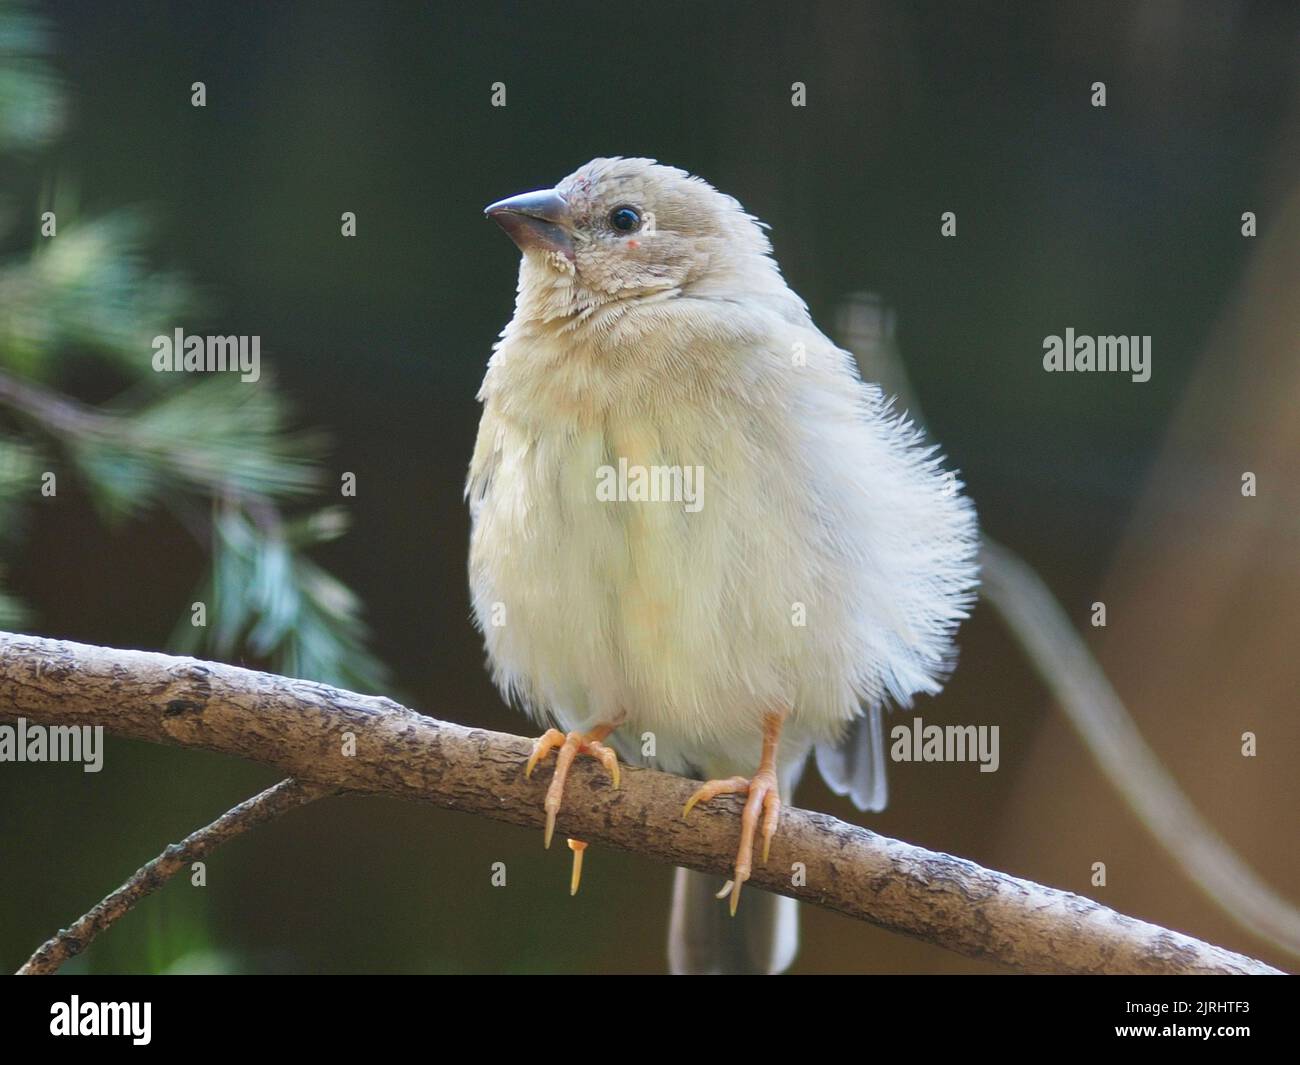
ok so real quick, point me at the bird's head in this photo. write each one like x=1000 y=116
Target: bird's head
x=627 y=230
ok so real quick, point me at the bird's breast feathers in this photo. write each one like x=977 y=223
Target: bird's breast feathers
x=692 y=533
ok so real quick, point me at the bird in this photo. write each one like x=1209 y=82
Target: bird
x=693 y=523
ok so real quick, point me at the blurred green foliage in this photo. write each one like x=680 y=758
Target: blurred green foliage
x=31 y=105
x=218 y=452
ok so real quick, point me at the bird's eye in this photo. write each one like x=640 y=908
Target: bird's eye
x=624 y=219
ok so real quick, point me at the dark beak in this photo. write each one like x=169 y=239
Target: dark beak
x=538 y=221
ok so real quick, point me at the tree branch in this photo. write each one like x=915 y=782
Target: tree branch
x=266 y=806
x=341 y=740
x=1061 y=658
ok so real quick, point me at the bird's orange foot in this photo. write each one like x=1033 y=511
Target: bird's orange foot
x=570 y=746
x=762 y=796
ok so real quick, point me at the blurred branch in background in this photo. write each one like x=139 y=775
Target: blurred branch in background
x=339 y=740
x=217 y=451
x=1081 y=688
x=69 y=942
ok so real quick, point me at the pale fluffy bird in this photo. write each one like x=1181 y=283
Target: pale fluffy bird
x=816 y=577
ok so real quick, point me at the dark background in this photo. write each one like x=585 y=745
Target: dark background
x=1117 y=220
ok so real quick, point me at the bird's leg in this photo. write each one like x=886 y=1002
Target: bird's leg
x=761 y=790
x=570 y=746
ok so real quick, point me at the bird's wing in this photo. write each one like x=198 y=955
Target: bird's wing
x=855 y=766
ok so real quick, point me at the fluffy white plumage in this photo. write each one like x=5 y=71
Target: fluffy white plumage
x=830 y=562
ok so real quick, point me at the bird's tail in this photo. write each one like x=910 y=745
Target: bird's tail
x=704 y=939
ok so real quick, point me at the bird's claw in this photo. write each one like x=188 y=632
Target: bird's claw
x=762 y=795
x=577 y=846
x=569 y=746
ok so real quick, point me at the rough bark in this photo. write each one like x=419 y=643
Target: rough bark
x=341 y=740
